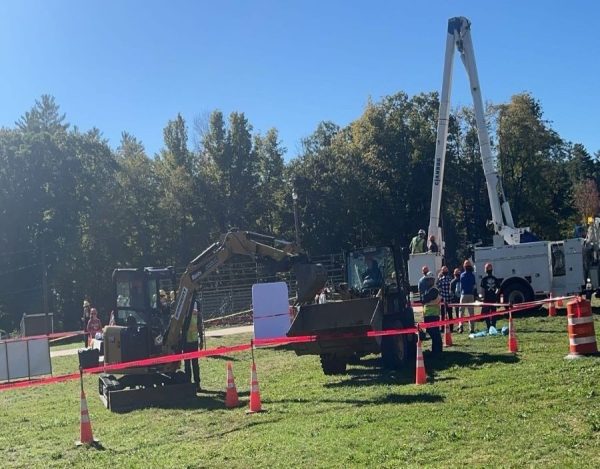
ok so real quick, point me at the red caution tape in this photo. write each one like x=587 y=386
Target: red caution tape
x=149 y=362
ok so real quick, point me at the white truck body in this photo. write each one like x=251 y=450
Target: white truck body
x=528 y=269
x=416 y=262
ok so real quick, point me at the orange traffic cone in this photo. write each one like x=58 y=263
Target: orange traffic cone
x=447 y=336
x=85 y=432
x=551 y=308
x=421 y=375
x=231 y=396
x=513 y=347
x=255 y=405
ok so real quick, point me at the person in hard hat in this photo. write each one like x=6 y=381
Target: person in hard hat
x=418 y=244
x=433 y=247
x=455 y=291
x=193 y=338
x=85 y=317
x=94 y=326
x=443 y=283
x=467 y=294
x=423 y=282
x=431 y=312
x=490 y=289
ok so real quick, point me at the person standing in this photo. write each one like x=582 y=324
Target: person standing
x=192 y=338
x=94 y=326
x=467 y=294
x=433 y=247
x=423 y=282
x=455 y=292
x=85 y=317
x=490 y=287
x=431 y=313
x=418 y=244
x=443 y=284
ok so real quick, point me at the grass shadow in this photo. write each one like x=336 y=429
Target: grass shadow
x=370 y=372
x=392 y=398
x=224 y=357
x=206 y=400
x=245 y=426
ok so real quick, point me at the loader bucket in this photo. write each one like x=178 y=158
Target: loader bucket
x=338 y=318
x=311 y=279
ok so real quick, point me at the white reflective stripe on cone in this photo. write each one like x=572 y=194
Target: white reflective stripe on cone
x=583 y=340
x=583 y=320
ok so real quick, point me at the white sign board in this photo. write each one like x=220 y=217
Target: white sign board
x=24 y=358
x=270 y=306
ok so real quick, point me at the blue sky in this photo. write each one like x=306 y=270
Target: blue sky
x=132 y=65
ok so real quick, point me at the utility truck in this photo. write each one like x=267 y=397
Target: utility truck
x=528 y=267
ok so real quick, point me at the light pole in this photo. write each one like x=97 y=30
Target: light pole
x=295 y=199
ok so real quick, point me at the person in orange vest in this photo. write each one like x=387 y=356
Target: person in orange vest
x=193 y=338
x=93 y=326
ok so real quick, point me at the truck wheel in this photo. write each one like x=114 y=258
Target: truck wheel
x=395 y=348
x=333 y=364
x=515 y=293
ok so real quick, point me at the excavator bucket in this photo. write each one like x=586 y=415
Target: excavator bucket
x=311 y=279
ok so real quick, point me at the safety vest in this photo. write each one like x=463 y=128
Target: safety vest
x=192 y=332
x=431 y=309
x=417 y=245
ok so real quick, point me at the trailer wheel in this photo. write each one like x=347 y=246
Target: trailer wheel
x=333 y=364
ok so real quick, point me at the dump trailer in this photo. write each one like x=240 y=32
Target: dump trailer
x=145 y=328
x=372 y=298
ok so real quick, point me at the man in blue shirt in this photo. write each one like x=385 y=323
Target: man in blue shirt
x=423 y=282
x=467 y=294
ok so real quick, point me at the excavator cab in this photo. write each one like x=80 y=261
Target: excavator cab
x=141 y=312
x=141 y=296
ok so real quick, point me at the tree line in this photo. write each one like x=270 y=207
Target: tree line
x=73 y=208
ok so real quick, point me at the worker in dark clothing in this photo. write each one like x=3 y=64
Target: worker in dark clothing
x=468 y=288
x=85 y=318
x=433 y=246
x=490 y=287
x=443 y=283
x=455 y=291
x=372 y=277
x=194 y=333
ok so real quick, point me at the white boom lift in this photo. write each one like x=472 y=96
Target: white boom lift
x=459 y=37
x=528 y=268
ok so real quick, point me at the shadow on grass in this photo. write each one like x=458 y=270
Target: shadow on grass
x=245 y=426
x=370 y=373
x=206 y=400
x=392 y=398
x=223 y=357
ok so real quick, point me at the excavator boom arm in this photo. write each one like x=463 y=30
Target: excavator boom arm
x=262 y=248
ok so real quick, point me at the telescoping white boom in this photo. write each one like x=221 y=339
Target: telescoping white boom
x=459 y=38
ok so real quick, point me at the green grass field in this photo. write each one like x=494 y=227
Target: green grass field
x=484 y=407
